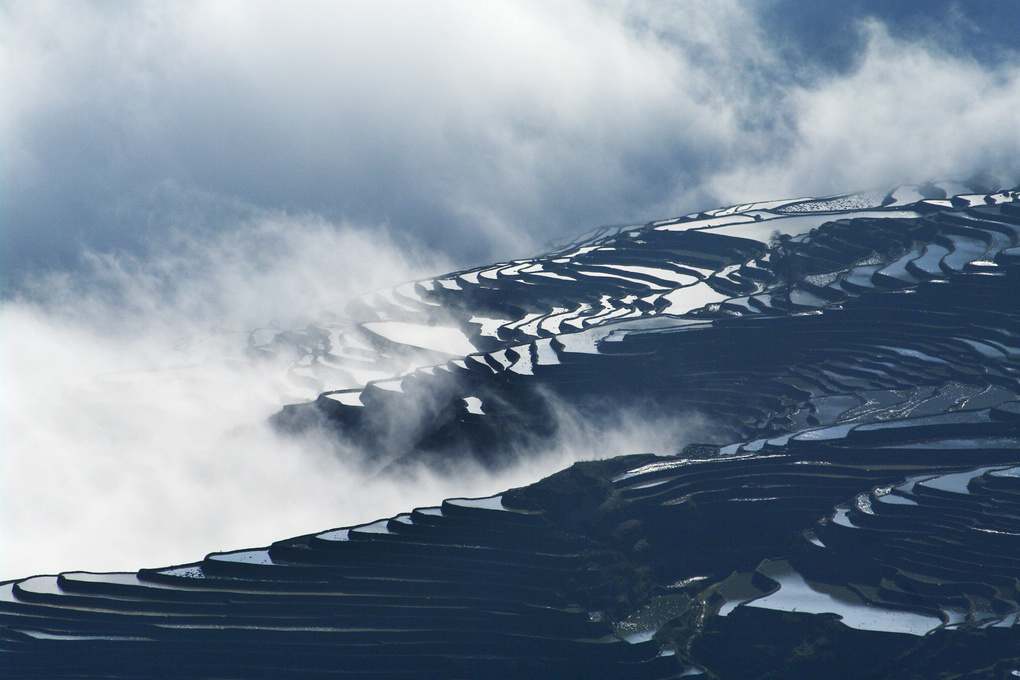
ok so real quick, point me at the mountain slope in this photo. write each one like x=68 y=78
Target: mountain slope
x=853 y=512
x=664 y=316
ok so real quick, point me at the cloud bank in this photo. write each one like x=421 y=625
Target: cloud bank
x=133 y=430
x=484 y=129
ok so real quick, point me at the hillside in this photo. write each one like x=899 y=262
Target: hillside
x=849 y=506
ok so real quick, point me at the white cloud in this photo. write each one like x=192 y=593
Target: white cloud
x=135 y=433
x=907 y=112
x=520 y=118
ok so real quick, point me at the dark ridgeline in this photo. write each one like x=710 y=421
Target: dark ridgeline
x=856 y=514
